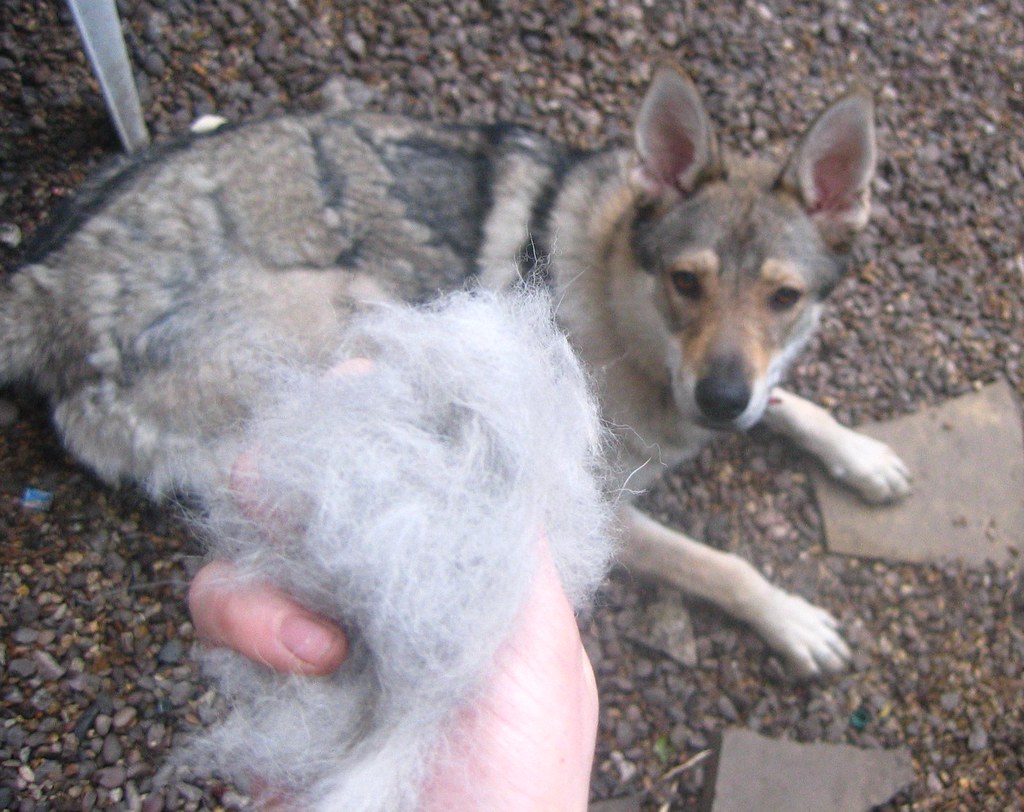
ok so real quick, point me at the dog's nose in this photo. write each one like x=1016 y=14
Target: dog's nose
x=723 y=397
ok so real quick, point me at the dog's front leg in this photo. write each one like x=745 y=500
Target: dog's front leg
x=868 y=466
x=804 y=634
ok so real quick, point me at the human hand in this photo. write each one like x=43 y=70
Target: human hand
x=527 y=741
x=525 y=744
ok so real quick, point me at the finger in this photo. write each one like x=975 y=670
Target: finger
x=263 y=624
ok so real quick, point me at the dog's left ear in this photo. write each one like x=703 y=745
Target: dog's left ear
x=675 y=140
x=832 y=167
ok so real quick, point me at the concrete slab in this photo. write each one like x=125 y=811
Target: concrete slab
x=967 y=459
x=755 y=772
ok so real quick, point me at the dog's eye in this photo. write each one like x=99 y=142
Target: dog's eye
x=687 y=283
x=784 y=298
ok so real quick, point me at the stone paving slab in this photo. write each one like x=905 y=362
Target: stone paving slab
x=752 y=772
x=967 y=459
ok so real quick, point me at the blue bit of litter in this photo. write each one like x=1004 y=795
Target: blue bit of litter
x=35 y=499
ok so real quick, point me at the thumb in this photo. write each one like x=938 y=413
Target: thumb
x=262 y=623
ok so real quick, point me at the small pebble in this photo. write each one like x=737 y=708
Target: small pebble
x=85 y=722
x=727 y=708
x=111 y=777
x=112 y=750
x=22 y=667
x=155 y=735
x=123 y=718
x=25 y=636
x=153 y=803
x=154 y=65
x=102 y=724
x=10 y=235
x=49 y=668
x=978 y=740
x=171 y=652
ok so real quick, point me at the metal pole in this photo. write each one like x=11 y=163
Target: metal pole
x=100 y=28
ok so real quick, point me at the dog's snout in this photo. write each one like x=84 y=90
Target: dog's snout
x=723 y=394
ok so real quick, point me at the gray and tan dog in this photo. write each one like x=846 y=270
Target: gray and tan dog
x=686 y=280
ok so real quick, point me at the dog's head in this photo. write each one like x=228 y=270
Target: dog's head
x=742 y=254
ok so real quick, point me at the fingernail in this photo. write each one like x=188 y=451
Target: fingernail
x=312 y=641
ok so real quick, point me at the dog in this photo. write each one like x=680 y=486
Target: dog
x=685 y=278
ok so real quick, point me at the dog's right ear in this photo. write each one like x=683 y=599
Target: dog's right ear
x=675 y=140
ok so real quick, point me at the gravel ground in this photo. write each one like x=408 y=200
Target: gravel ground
x=94 y=641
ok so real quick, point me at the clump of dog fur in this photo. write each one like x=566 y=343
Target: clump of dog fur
x=405 y=502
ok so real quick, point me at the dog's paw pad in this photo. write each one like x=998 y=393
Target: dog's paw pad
x=806 y=635
x=873 y=469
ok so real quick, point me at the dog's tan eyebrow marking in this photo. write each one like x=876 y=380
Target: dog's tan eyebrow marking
x=704 y=261
x=782 y=272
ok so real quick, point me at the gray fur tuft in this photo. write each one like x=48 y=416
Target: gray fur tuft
x=22 y=329
x=405 y=503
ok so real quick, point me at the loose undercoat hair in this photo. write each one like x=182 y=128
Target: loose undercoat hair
x=405 y=503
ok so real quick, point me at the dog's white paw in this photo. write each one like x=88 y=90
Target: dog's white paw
x=870 y=467
x=806 y=635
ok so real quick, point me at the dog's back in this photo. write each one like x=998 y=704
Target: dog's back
x=136 y=321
